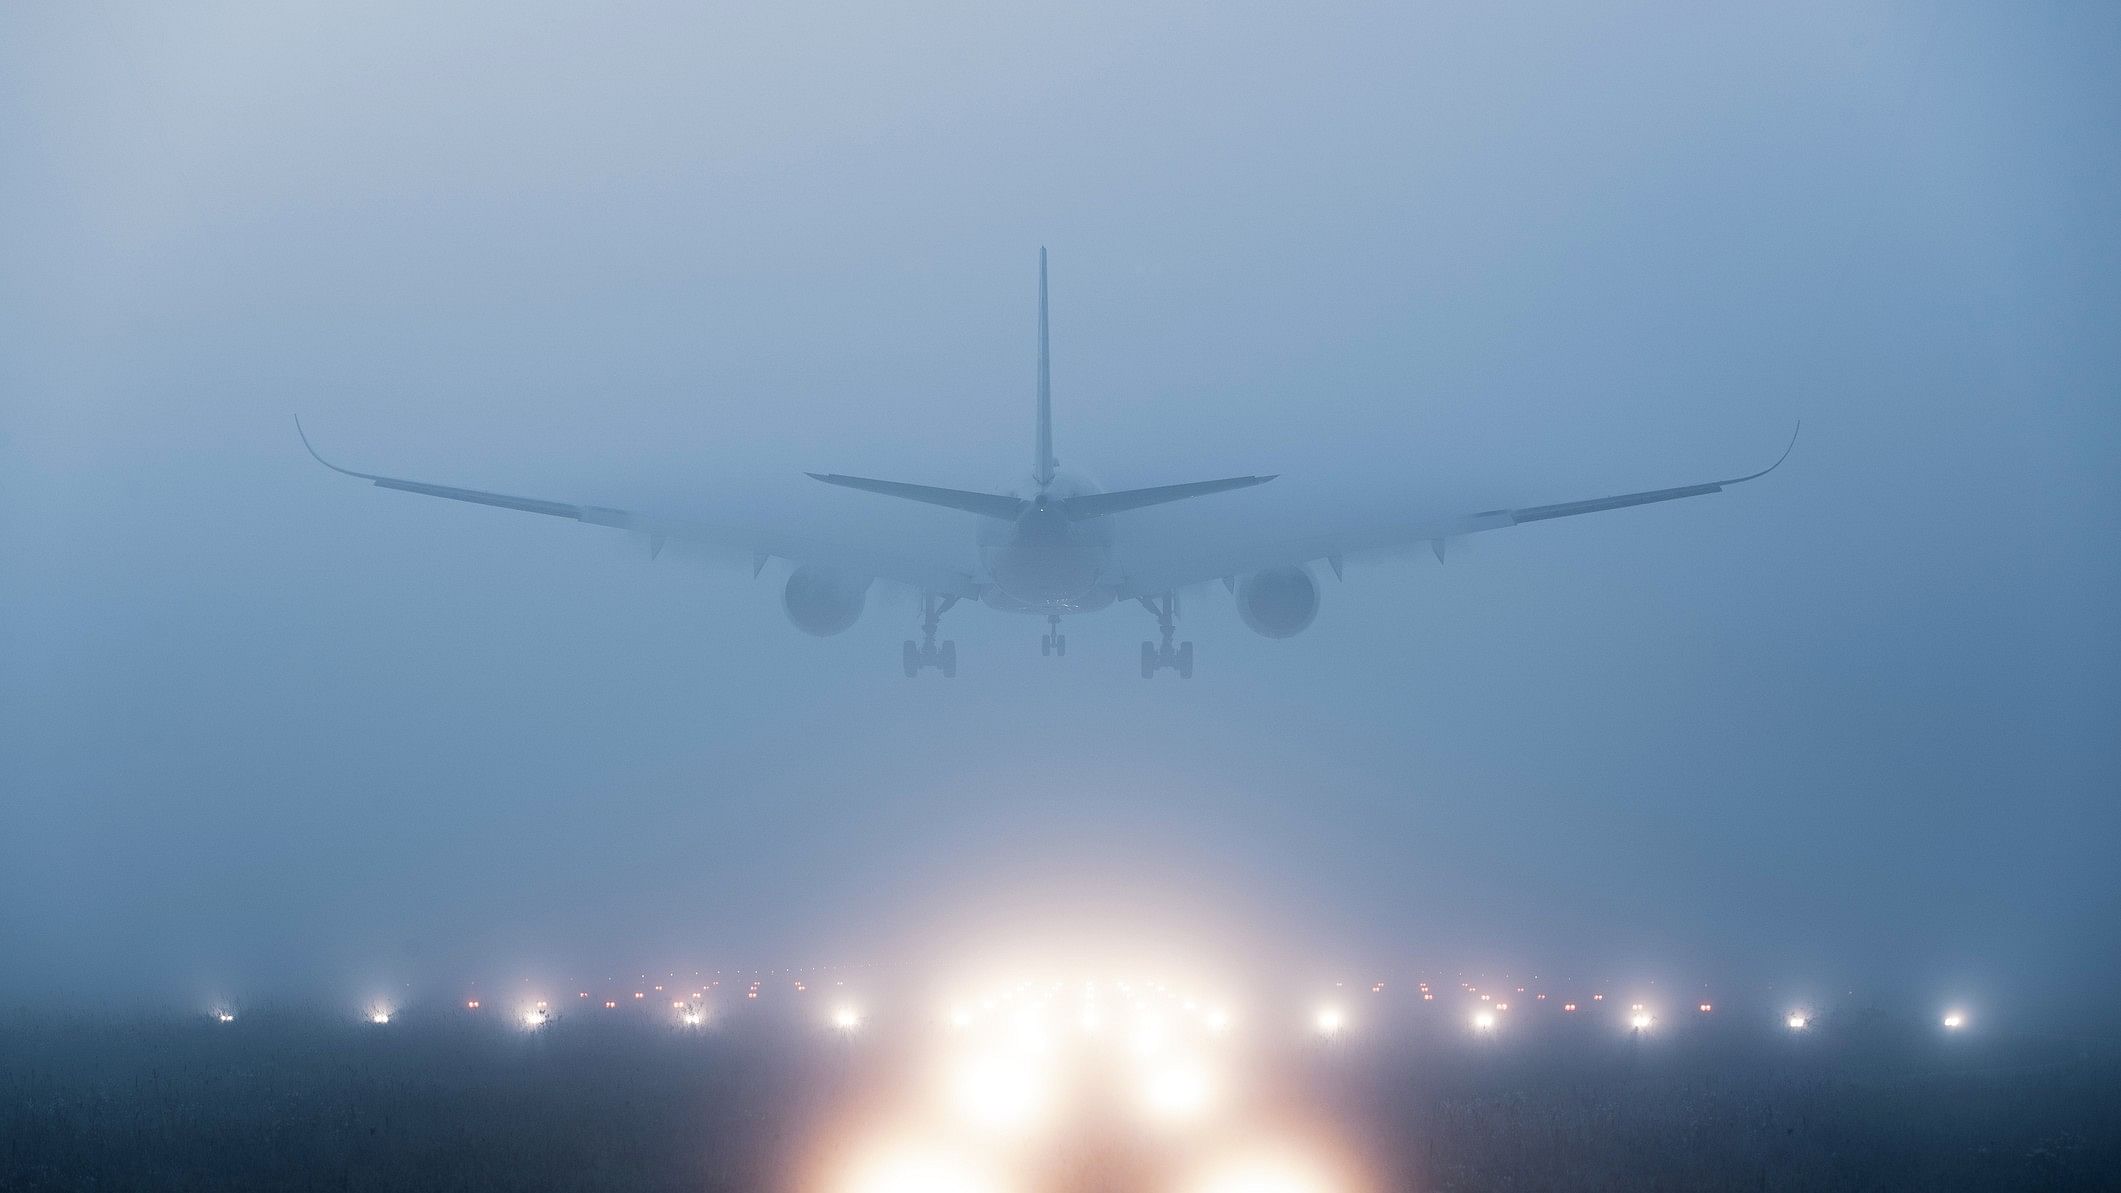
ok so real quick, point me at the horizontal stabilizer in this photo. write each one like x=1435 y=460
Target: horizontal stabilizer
x=1097 y=505
x=986 y=505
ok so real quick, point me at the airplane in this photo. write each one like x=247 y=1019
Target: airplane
x=1047 y=548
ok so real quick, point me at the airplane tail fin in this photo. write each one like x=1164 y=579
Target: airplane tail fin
x=1045 y=465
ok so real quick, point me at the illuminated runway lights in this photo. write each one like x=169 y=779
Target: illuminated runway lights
x=1798 y=1020
x=1329 y=1021
x=1954 y=1020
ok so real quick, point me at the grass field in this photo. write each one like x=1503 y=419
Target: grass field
x=447 y=1100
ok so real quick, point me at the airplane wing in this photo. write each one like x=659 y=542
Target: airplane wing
x=1181 y=569
x=928 y=577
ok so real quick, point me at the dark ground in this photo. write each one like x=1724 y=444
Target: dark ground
x=445 y=1100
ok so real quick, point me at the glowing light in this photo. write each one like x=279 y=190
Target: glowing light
x=225 y=1016
x=1218 y=1020
x=916 y=1170
x=1484 y=1021
x=1798 y=1020
x=471 y=1004
x=1954 y=1020
x=535 y=1018
x=640 y=994
x=1264 y=1174
x=692 y=1018
x=998 y=1092
x=1177 y=1093
x=1706 y=1008
x=1568 y=1006
x=960 y=1018
x=846 y=1018
x=379 y=1016
x=610 y=1005
x=1640 y=1021
x=1329 y=1021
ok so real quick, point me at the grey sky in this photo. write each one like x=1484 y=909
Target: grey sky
x=261 y=726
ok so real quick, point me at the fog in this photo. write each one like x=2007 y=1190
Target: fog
x=270 y=730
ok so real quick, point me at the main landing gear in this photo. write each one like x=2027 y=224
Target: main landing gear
x=944 y=657
x=1053 y=642
x=1156 y=657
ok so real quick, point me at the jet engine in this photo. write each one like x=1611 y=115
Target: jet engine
x=823 y=601
x=1278 y=602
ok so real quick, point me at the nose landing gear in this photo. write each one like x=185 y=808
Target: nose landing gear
x=1053 y=642
x=928 y=654
x=1155 y=656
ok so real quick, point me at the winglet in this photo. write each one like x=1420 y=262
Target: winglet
x=1787 y=449
x=311 y=448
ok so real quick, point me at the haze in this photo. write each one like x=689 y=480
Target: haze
x=269 y=730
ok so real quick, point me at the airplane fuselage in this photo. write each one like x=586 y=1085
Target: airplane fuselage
x=1042 y=563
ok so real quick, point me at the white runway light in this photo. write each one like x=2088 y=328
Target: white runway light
x=1484 y=1021
x=846 y=1019
x=379 y=1016
x=1329 y=1022
x=1954 y=1020
x=1798 y=1020
x=1640 y=1021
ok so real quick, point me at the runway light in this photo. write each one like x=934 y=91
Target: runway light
x=691 y=1018
x=1484 y=1021
x=225 y=1016
x=535 y=1018
x=1263 y=1174
x=1954 y=1020
x=1706 y=1008
x=1568 y=1006
x=1218 y=1020
x=910 y=1170
x=379 y=1017
x=611 y=1005
x=1798 y=1020
x=846 y=1018
x=1329 y=1021
x=471 y=1004
x=998 y=1092
x=1176 y=1093
x=1640 y=1021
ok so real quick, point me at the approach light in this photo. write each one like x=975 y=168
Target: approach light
x=1329 y=1021
x=918 y=1170
x=691 y=1018
x=1798 y=1020
x=535 y=1017
x=846 y=1018
x=379 y=1016
x=1569 y=1007
x=1176 y=1093
x=1954 y=1020
x=1218 y=1020
x=1706 y=1008
x=225 y=1016
x=471 y=1004
x=1640 y=1021
x=1484 y=1021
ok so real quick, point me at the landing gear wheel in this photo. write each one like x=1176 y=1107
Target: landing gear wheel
x=1148 y=660
x=948 y=660
x=1185 y=660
